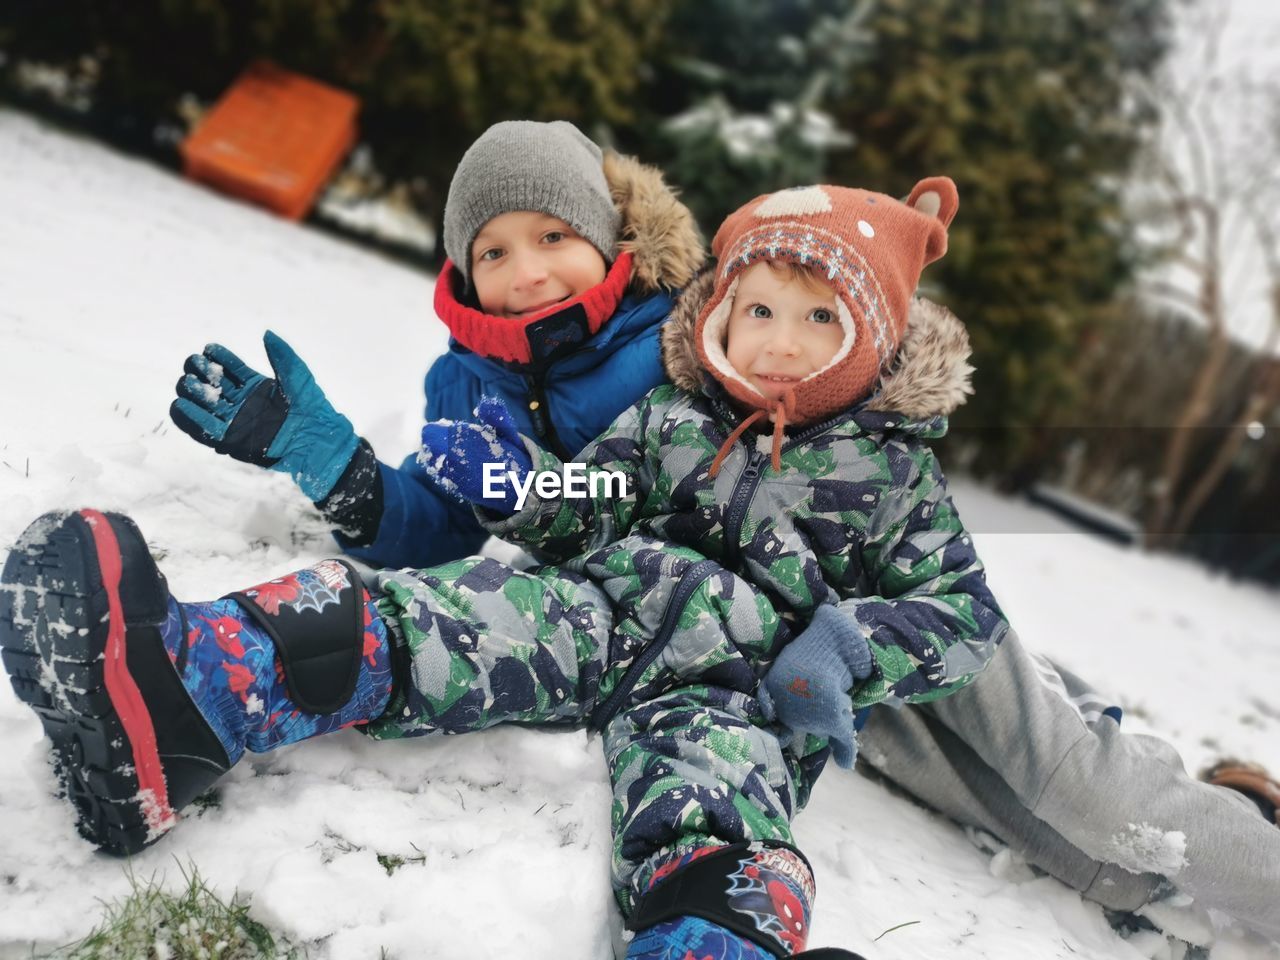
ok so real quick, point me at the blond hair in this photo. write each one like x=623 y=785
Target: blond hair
x=806 y=274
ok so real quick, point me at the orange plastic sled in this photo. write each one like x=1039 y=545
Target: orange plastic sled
x=274 y=139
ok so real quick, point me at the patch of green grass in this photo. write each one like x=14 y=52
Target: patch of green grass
x=209 y=800
x=191 y=924
x=391 y=862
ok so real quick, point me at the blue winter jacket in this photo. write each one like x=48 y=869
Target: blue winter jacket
x=582 y=393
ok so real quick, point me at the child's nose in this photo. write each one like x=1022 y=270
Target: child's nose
x=529 y=270
x=784 y=341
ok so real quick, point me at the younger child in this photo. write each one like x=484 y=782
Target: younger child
x=830 y=528
x=668 y=606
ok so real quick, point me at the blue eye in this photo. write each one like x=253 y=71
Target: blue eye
x=822 y=315
x=493 y=253
x=553 y=236
x=760 y=312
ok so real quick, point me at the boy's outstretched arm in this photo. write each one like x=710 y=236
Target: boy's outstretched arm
x=384 y=516
x=927 y=614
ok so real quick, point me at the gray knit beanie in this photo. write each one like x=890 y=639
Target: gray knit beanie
x=549 y=168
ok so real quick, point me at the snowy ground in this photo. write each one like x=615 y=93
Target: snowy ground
x=111 y=272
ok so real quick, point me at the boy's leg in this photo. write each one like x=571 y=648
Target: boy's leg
x=703 y=793
x=922 y=756
x=703 y=851
x=1059 y=773
x=147 y=701
x=479 y=642
x=484 y=643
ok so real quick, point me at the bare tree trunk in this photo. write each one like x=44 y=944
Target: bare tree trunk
x=1264 y=395
x=1193 y=413
x=1263 y=398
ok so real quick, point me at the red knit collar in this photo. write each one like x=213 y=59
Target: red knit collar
x=531 y=340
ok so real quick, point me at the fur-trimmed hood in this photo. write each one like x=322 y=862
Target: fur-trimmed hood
x=657 y=229
x=929 y=377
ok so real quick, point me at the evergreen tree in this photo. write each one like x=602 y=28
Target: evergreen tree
x=1032 y=109
x=739 y=98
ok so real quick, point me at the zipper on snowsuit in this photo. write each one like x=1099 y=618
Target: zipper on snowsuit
x=745 y=489
x=689 y=581
x=540 y=415
x=744 y=492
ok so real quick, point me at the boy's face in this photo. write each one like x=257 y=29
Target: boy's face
x=523 y=263
x=781 y=329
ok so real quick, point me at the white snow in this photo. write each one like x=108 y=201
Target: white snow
x=112 y=272
x=1143 y=848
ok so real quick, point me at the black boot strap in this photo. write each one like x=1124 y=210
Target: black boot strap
x=315 y=617
x=733 y=886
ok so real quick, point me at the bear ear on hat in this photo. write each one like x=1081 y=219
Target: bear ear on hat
x=936 y=197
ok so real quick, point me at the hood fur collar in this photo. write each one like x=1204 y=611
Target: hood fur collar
x=657 y=229
x=930 y=375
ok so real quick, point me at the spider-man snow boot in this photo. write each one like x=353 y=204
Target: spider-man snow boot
x=148 y=701
x=742 y=901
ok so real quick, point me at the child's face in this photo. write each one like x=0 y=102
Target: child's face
x=523 y=263
x=781 y=329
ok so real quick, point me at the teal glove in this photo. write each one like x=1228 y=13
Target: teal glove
x=283 y=424
x=806 y=690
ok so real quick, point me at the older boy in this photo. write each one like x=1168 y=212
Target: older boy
x=563 y=264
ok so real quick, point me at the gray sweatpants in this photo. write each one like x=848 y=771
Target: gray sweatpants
x=1024 y=753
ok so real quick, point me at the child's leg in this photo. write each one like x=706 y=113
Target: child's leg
x=702 y=790
x=486 y=643
x=148 y=701
x=482 y=643
x=693 y=773
x=921 y=755
x=1055 y=773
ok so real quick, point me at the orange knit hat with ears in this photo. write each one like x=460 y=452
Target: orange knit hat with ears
x=868 y=247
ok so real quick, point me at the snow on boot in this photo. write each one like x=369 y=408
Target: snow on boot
x=742 y=901
x=147 y=702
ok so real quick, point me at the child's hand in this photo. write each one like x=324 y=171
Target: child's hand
x=284 y=424
x=806 y=691
x=454 y=455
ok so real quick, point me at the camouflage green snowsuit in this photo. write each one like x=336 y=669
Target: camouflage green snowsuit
x=658 y=612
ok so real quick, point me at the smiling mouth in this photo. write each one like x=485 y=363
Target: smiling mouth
x=539 y=307
x=775 y=378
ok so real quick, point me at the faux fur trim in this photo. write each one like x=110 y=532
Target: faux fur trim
x=930 y=375
x=679 y=345
x=657 y=229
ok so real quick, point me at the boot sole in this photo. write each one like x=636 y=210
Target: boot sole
x=62 y=634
